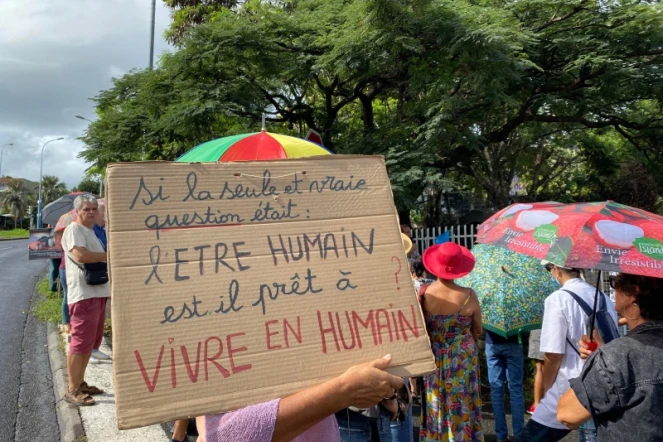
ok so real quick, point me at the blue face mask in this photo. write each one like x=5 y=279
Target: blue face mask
x=555 y=280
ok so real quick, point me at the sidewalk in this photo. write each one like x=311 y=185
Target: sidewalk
x=99 y=420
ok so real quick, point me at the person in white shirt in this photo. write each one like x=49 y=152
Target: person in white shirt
x=100 y=231
x=87 y=303
x=564 y=323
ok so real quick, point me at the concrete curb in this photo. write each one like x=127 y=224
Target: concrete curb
x=13 y=239
x=69 y=420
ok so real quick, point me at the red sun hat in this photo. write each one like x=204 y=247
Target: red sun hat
x=448 y=260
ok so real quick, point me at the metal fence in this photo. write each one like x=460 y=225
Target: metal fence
x=464 y=235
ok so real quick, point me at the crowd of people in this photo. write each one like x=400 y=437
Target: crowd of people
x=575 y=387
x=606 y=387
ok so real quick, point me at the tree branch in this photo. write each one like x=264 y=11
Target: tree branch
x=503 y=133
x=579 y=7
x=611 y=121
x=590 y=25
x=299 y=50
x=560 y=170
x=644 y=54
x=628 y=137
x=454 y=90
x=578 y=83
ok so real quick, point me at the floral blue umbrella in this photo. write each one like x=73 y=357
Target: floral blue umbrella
x=511 y=288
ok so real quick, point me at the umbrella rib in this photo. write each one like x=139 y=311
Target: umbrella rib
x=504 y=269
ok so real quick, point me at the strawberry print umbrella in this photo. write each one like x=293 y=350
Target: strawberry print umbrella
x=71 y=216
x=604 y=235
x=66 y=219
x=254 y=146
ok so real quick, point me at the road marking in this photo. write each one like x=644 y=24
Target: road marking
x=5 y=248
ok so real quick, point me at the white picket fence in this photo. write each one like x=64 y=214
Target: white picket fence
x=464 y=235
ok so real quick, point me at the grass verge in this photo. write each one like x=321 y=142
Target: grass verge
x=48 y=306
x=14 y=234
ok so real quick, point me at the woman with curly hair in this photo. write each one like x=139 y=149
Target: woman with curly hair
x=621 y=384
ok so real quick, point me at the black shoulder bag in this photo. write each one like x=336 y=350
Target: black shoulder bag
x=96 y=273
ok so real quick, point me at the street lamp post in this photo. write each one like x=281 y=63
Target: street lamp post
x=153 y=12
x=41 y=169
x=2 y=151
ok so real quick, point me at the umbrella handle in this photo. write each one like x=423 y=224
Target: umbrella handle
x=592 y=319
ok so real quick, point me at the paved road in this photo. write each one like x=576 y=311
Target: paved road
x=27 y=405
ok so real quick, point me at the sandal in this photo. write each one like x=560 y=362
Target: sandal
x=78 y=398
x=90 y=389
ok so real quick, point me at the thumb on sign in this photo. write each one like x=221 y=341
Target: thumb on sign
x=367 y=384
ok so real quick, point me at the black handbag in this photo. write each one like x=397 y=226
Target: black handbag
x=96 y=273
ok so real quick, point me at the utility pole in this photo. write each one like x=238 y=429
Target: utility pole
x=2 y=151
x=152 y=34
x=41 y=169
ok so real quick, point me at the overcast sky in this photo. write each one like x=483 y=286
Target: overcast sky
x=54 y=56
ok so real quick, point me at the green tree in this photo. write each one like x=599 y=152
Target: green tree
x=459 y=95
x=52 y=188
x=88 y=185
x=16 y=199
x=635 y=186
x=189 y=13
x=305 y=64
x=529 y=75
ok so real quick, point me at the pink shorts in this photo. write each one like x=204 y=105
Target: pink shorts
x=87 y=325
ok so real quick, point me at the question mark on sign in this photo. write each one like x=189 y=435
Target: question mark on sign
x=400 y=267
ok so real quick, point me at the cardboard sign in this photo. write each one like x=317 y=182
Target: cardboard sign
x=237 y=283
x=42 y=245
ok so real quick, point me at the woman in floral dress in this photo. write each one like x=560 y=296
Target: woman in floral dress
x=453 y=321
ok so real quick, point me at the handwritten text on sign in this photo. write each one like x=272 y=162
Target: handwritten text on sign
x=269 y=274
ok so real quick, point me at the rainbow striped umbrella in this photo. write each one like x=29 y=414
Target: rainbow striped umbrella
x=254 y=146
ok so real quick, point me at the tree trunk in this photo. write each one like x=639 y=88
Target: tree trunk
x=497 y=195
x=367 y=113
x=433 y=214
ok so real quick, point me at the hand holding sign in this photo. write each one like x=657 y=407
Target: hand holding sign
x=367 y=384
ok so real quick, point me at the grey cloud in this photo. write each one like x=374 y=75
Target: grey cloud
x=54 y=56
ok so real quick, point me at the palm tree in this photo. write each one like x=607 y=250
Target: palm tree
x=15 y=199
x=52 y=188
